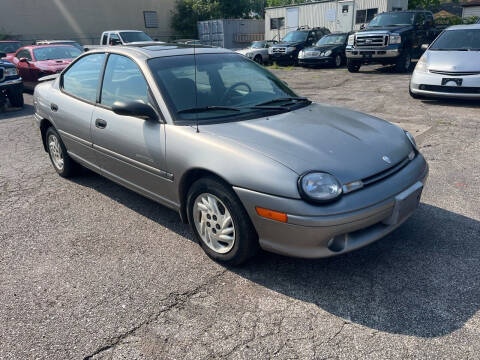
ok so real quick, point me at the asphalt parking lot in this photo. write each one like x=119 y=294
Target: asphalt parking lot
x=90 y=270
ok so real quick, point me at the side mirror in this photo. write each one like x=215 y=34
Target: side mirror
x=425 y=46
x=136 y=109
x=362 y=27
x=2 y=55
x=23 y=60
x=114 y=42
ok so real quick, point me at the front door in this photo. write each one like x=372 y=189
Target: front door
x=130 y=150
x=345 y=16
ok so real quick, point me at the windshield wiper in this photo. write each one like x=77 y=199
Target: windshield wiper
x=207 y=108
x=303 y=99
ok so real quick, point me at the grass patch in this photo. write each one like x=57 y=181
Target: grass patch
x=275 y=66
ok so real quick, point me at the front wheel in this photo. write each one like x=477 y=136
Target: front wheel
x=404 y=62
x=258 y=59
x=220 y=223
x=15 y=97
x=353 y=66
x=338 y=61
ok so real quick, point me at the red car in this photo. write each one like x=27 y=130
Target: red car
x=36 y=61
x=9 y=47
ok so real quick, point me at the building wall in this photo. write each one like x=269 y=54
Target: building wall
x=470 y=11
x=315 y=15
x=81 y=20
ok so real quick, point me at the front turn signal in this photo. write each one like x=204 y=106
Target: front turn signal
x=271 y=214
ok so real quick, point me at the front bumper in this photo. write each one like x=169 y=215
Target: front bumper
x=430 y=85
x=391 y=52
x=283 y=57
x=354 y=221
x=324 y=60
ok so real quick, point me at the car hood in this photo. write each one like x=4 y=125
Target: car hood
x=453 y=61
x=324 y=47
x=345 y=143
x=387 y=29
x=287 y=44
x=6 y=64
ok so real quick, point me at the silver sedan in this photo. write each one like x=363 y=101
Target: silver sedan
x=450 y=68
x=243 y=159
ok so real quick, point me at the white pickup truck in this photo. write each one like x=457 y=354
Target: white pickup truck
x=122 y=37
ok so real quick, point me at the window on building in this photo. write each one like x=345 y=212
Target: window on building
x=365 y=16
x=277 y=23
x=345 y=9
x=151 y=19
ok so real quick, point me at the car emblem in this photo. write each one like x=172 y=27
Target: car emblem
x=387 y=159
x=368 y=41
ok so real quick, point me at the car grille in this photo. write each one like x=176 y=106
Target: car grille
x=386 y=173
x=455 y=73
x=312 y=53
x=279 y=50
x=2 y=74
x=451 y=89
x=373 y=41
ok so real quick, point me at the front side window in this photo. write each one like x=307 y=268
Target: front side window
x=123 y=81
x=24 y=54
x=295 y=36
x=134 y=36
x=259 y=44
x=458 y=40
x=56 y=52
x=82 y=78
x=219 y=80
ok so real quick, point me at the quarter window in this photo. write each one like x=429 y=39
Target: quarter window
x=82 y=78
x=123 y=81
x=104 y=39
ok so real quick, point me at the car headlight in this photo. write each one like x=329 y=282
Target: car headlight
x=412 y=139
x=291 y=48
x=327 y=53
x=11 y=71
x=301 y=54
x=421 y=66
x=319 y=187
x=395 y=39
x=351 y=40
x=270 y=51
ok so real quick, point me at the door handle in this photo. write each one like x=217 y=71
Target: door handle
x=100 y=123
x=54 y=107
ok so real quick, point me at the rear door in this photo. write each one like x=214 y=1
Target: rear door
x=72 y=105
x=130 y=150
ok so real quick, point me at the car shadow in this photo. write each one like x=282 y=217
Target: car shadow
x=464 y=103
x=10 y=113
x=422 y=280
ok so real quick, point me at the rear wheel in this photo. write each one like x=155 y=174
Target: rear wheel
x=258 y=59
x=220 y=223
x=15 y=97
x=353 y=66
x=61 y=161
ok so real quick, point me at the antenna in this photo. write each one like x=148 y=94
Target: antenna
x=196 y=95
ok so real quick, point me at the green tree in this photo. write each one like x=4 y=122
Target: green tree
x=422 y=4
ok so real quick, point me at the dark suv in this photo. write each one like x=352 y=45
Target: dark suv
x=286 y=51
x=11 y=84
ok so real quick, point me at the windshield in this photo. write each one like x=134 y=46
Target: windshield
x=339 y=39
x=73 y=43
x=295 y=36
x=9 y=47
x=258 y=45
x=56 y=52
x=220 y=81
x=390 y=19
x=465 y=39
x=134 y=36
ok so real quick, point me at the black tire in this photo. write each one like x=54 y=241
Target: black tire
x=15 y=97
x=246 y=239
x=258 y=59
x=338 y=61
x=69 y=167
x=404 y=62
x=353 y=66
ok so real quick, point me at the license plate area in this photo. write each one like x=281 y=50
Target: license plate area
x=367 y=54
x=405 y=203
x=452 y=82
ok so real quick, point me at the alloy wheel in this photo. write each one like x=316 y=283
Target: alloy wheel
x=55 y=152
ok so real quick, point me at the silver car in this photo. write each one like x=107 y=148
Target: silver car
x=258 y=51
x=243 y=159
x=450 y=68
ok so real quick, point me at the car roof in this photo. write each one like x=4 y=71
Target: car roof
x=31 y=47
x=106 y=31
x=463 y=27
x=8 y=41
x=155 y=50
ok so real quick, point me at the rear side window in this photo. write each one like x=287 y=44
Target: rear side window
x=24 y=54
x=82 y=78
x=104 y=39
x=123 y=81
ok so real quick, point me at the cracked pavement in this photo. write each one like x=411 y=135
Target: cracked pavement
x=90 y=270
